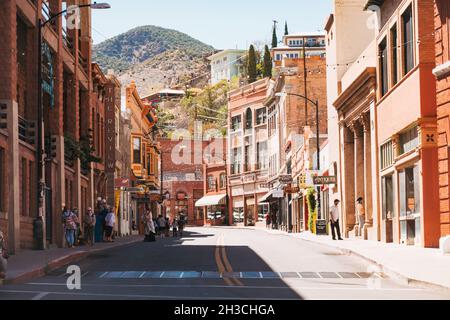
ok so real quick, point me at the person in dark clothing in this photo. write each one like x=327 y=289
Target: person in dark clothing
x=334 y=220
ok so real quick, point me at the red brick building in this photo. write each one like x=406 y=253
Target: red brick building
x=183 y=178
x=442 y=73
x=72 y=118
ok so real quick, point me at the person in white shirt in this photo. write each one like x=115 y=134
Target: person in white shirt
x=110 y=222
x=334 y=220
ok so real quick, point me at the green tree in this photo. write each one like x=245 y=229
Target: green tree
x=274 y=38
x=286 y=30
x=252 y=65
x=267 y=72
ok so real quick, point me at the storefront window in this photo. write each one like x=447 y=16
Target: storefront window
x=137 y=150
x=387 y=197
x=409 y=140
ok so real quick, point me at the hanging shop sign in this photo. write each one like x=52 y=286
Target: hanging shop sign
x=285 y=179
x=325 y=180
x=48 y=74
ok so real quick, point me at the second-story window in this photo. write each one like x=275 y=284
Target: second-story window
x=236 y=123
x=382 y=49
x=261 y=116
x=137 y=150
x=408 y=44
x=394 y=60
x=248 y=119
x=211 y=183
x=223 y=181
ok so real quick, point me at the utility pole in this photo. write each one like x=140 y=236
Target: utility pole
x=305 y=78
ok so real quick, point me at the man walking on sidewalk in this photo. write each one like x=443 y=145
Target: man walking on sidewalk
x=334 y=219
x=89 y=226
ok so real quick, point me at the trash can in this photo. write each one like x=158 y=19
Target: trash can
x=38 y=232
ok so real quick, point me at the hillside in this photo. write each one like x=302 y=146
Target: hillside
x=154 y=57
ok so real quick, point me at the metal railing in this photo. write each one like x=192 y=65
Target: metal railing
x=27 y=130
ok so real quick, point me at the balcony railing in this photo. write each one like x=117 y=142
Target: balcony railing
x=47 y=14
x=27 y=131
x=66 y=40
x=83 y=62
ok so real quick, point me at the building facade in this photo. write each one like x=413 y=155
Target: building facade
x=406 y=123
x=247 y=150
x=145 y=157
x=182 y=172
x=226 y=64
x=442 y=73
x=67 y=95
x=297 y=46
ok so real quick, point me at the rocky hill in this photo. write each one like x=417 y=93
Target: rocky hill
x=154 y=57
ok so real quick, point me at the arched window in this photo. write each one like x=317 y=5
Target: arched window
x=248 y=119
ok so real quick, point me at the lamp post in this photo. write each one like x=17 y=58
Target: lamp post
x=40 y=127
x=316 y=104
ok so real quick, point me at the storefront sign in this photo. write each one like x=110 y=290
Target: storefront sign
x=285 y=179
x=122 y=183
x=291 y=190
x=278 y=193
x=325 y=180
x=321 y=227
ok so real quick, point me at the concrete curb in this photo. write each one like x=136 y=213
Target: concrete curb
x=58 y=263
x=398 y=276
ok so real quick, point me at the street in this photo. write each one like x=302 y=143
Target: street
x=220 y=264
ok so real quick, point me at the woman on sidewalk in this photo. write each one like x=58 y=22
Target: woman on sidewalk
x=110 y=222
x=3 y=257
x=89 y=227
x=70 y=225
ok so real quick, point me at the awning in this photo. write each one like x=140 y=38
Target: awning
x=215 y=200
x=266 y=197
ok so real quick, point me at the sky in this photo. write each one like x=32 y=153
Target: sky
x=224 y=24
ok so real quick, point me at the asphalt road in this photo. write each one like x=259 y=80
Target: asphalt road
x=221 y=263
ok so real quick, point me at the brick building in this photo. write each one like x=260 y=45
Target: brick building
x=406 y=122
x=289 y=113
x=71 y=106
x=182 y=171
x=442 y=73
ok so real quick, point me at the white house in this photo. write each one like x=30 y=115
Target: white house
x=313 y=43
x=226 y=64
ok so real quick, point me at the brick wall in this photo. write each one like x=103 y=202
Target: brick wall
x=296 y=113
x=442 y=36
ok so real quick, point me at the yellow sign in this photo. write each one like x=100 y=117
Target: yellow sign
x=117 y=202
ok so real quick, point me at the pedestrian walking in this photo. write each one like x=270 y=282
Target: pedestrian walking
x=268 y=221
x=89 y=227
x=334 y=220
x=70 y=225
x=181 y=224
x=149 y=227
x=77 y=235
x=110 y=222
x=175 y=227
x=3 y=256
x=161 y=226
x=360 y=214
x=167 y=231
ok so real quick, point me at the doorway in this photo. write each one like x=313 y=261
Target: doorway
x=388 y=213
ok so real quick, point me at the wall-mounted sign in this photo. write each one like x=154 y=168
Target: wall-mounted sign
x=325 y=180
x=285 y=179
x=121 y=183
x=291 y=190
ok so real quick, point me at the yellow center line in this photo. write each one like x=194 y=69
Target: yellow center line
x=220 y=266
x=227 y=263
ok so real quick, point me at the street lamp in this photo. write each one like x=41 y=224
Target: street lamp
x=40 y=143
x=316 y=104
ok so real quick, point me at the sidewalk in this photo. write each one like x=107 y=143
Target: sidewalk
x=29 y=264
x=411 y=265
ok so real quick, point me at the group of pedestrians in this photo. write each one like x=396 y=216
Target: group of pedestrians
x=161 y=226
x=72 y=225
